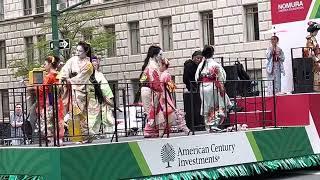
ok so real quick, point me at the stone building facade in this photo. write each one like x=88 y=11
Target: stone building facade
x=234 y=27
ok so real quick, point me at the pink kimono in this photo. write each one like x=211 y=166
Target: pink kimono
x=171 y=113
x=150 y=94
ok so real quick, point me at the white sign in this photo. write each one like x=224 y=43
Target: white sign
x=63 y=44
x=196 y=152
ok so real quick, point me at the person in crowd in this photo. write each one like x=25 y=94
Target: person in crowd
x=16 y=122
x=151 y=91
x=167 y=104
x=275 y=59
x=313 y=45
x=100 y=116
x=32 y=109
x=215 y=101
x=189 y=71
x=76 y=73
x=47 y=104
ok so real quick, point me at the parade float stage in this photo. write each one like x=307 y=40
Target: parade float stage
x=212 y=156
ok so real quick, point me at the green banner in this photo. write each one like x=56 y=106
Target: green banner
x=280 y=143
x=315 y=13
x=134 y=159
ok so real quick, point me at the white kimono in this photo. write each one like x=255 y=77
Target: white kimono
x=210 y=97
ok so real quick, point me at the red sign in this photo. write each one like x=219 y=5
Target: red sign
x=284 y=11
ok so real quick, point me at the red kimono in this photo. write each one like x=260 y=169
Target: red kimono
x=48 y=89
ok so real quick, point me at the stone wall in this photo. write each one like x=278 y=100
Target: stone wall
x=229 y=29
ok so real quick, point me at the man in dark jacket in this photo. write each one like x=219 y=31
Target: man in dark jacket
x=190 y=68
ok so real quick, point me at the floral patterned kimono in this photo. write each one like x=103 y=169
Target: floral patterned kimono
x=274 y=69
x=50 y=105
x=212 y=75
x=315 y=53
x=174 y=115
x=75 y=99
x=100 y=115
x=150 y=94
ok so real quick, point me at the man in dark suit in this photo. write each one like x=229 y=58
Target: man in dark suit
x=190 y=68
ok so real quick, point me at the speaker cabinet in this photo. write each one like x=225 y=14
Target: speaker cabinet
x=302 y=75
x=231 y=85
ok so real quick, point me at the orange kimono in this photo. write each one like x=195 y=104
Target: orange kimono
x=48 y=89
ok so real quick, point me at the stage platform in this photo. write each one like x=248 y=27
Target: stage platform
x=293 y=144
x=152 y=157
x=285 y=110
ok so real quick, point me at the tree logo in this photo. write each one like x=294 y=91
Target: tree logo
x=167 y=154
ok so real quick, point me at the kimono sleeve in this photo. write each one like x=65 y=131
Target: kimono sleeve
x=165 y=77
x=84 y=75
x=269 y=65
x=269 y=54
x=282 y=57
x=45 y=88
x=155 y=83
x=105 y=87
x=222 y=76
x=66 y=70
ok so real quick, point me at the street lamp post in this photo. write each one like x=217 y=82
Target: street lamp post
x=54 y=25
x=54 y=22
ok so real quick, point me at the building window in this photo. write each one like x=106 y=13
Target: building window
x=111 y=48
x=167 y=40
x=207 y=28
x=30 y=49
x=3 y=59
x=135 y=38
x=4 y=95
x=1 y=10
x=39 y=6
x=42 y=46
x=252 y=23
x=27 y=7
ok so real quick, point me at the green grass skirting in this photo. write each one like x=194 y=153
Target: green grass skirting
x=221 y=172
x=244 y=169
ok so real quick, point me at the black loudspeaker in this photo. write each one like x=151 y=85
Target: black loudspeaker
x=198 y=119
x=231 y=85
x=302 y=75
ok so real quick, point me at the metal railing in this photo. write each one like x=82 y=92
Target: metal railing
x=129 y=118
x=254 y=109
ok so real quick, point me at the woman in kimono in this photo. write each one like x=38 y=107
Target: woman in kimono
x=76 y=73
x=313 y=45
x=101 y=118
x=211 y=76
x=174 y=115
x=151 y=91
x=49 y=90
x=275 y=59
